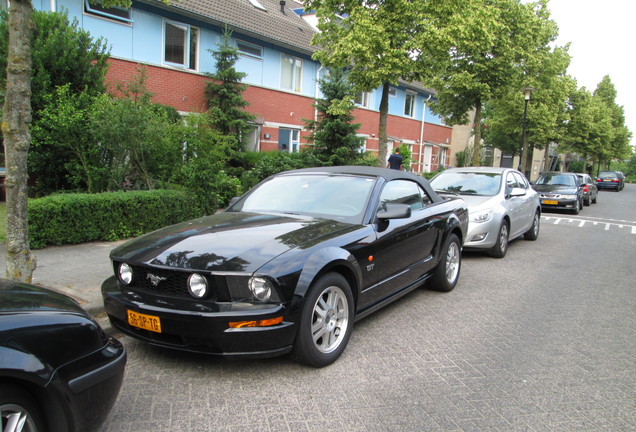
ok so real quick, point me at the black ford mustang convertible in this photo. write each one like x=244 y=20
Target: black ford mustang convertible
x=289 y=266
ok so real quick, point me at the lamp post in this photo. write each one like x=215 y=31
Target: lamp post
x=527 y=95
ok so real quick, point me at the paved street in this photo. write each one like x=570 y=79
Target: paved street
x=542 y=340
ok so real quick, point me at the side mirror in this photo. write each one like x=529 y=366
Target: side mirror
x=515 y=192
x=394 y=211
x=233 y=201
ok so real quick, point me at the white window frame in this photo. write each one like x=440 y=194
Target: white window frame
x=249 y=45
x=296 y=73
x=110 y=13
x=188 y=31
x=392 y=92
x=363 y=147
x=411 y=108
x=362 y=99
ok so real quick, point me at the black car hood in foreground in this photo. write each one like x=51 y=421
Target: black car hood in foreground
x=30 y=314
x=232 y=241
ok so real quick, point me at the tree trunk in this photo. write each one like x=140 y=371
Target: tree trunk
x=477 y=140
x=16 y=118
x=384 y=113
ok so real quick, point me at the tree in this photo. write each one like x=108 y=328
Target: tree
x=16 y=117
x=225 y=97
x=383 y=41
x=333 y=135
x=486 y=60
x=619 y=147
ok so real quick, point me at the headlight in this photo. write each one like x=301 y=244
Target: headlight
x=197 y=285
x=261 y=288
x=481 y=216
x=573 y=197
x=125 y=273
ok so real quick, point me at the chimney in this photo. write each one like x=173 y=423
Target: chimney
x=282 y=6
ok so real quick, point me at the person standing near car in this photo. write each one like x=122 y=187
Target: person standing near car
x=395 y=160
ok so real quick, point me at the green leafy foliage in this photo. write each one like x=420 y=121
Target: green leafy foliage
x=76 y=218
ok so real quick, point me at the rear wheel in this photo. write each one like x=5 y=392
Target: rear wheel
x=586 y=201
x=19 y=412
x=447 y=272
x=533 y=232
x=326 y=321
x=501 y=247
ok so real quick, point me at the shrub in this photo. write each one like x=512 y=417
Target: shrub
x=76 y=218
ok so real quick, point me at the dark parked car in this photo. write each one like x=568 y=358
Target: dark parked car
x=590 y=190
x=560 y=191
x=289 y=266
x=59 y=371
x=610 y=180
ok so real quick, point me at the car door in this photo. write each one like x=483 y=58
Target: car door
x=403 y=251
x=514 y=205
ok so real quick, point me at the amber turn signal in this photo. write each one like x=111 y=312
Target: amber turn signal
x=260 y=323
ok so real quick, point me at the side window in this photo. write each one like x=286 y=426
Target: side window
x=521 y=181
x=291 y=72
x=511 y=182
x=405 y=192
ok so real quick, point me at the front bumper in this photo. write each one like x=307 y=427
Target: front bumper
x=203 y=331
x=90 y=386
x=559 y=204
x=482 y=235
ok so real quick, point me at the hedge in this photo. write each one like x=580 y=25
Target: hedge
x=76 y=218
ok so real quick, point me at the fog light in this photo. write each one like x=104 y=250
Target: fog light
x=125 y=273
x=197 y=285
x=478 y=237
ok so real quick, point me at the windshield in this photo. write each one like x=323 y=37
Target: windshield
x=331 y=196
x=468 y=183
x=556 y=180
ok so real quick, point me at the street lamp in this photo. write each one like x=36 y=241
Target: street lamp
x=527 y=95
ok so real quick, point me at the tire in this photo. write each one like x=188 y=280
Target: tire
x=595 y=198
x=533 y=233
x=326 y=321
x=501 y=247
x=19 y=411
x=586 y=201
x=447 y=273
x=578 y=208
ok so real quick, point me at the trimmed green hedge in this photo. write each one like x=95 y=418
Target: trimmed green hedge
x=76 y=218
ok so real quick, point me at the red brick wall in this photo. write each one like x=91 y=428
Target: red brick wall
x=185 y=91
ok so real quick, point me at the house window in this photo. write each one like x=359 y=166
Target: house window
x=249 y=49
x=362 y=99
x=180 y=44
x=288 y=140
x=392 y=92
x=116 y=13
x=409 y=104
x=363 y=144
x=291 y=73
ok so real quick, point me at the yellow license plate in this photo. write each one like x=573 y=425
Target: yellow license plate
x=146 y=322
x=549 y=202
x=609 y=180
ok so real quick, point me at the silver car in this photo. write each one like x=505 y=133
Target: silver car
x=501 y=205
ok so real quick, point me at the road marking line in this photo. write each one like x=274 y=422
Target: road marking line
x=607 y=226
x=557 y=220
x=581 y=223
x=634 y=230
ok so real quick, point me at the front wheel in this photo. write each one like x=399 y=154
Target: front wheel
x=501 y=247
x=326 y=321
x=533 y=232
x=19 y=412
x=447 y=272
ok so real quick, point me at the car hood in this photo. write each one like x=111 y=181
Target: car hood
x=556 y=189
x=18 y=297
x=477 y=202
x=233 y=241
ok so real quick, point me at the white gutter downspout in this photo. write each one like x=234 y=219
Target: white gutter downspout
x=315 y=92
x=422 y=132
x=53 y=6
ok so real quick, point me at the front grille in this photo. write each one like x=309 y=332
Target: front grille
x=165 y=282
